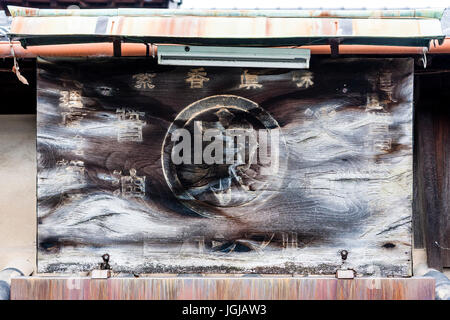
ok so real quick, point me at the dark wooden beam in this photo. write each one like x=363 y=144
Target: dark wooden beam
x=428 y=195
x=432 y=162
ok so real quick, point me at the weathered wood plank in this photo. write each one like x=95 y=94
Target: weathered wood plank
x=219 y=288
x=418 y=217
x=433 y=176
x=442 y=129
x=432 y=114
x=344 y=177
x=428 y=195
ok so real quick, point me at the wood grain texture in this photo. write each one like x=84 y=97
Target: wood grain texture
x=219 y=288
x=347 y=184
x=433 y=179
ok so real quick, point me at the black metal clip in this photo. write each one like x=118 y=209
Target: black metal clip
x=105 y=264
x=344 y=255
x=334 y=46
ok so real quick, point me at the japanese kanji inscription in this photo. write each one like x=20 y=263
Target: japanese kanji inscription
x=225 y=170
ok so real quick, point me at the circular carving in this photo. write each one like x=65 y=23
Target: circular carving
x=231 y=151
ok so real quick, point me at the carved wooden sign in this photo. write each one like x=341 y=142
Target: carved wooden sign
x=225 y=170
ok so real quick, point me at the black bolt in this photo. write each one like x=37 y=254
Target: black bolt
x=105 y=265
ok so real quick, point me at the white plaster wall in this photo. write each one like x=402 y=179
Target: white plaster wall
x=17 y=189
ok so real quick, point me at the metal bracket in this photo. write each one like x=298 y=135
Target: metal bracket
x=105 y=269
x=334 y=47
x=100 y=274
x=117 y=47
x=345 y=273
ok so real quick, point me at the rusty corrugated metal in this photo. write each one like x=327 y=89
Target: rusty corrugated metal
x=228 y=27
x=225 y=27
x=433 y=13
x=220 y=288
